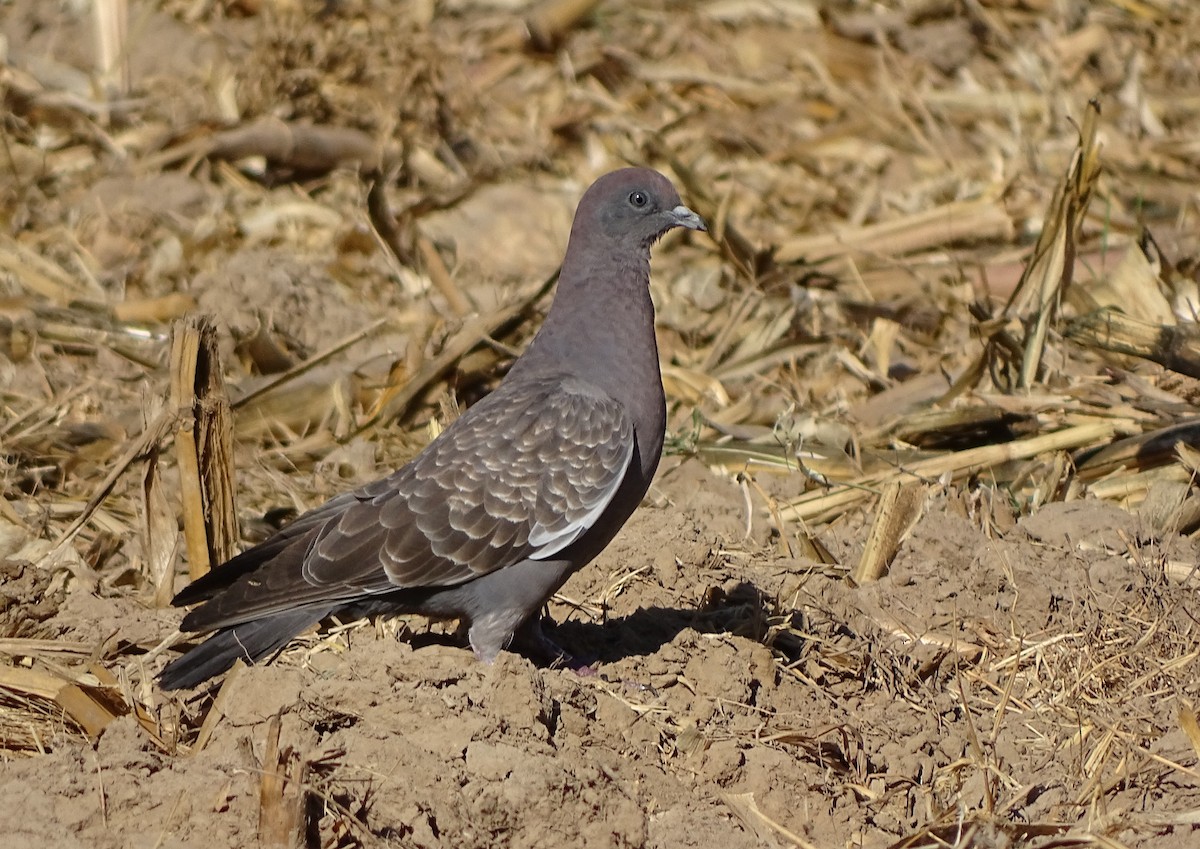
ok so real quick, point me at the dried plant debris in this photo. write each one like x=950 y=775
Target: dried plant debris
x=919 y=568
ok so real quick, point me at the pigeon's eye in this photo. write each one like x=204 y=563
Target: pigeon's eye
x=638 y=199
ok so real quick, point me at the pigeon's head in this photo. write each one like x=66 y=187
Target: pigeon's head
x=633 y=205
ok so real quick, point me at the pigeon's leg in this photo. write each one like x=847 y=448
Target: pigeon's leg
x=490 y=633
x=504 y=610
x=531 y=641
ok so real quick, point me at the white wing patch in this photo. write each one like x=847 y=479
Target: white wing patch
x=548 y=541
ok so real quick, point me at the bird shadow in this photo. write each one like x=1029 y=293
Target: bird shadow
x=743 y=611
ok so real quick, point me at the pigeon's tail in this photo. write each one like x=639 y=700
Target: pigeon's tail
x=250 y=641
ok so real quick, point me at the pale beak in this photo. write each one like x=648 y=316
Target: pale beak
x=684 y=217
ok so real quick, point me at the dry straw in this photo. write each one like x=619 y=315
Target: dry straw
x=938 y=275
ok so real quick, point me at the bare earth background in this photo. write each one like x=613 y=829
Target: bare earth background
x=877 y=175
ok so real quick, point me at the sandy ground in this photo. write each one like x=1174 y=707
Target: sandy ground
x=1019 y=678
x=738 y=699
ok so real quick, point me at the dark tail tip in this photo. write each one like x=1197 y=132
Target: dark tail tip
x=250 y=641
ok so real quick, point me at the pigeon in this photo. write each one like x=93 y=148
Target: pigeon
x=521 y=491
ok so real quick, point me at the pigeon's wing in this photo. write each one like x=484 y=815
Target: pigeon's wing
x=289 y=542
x=522 y=475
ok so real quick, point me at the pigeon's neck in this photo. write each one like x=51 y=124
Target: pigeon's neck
x=601 y=327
